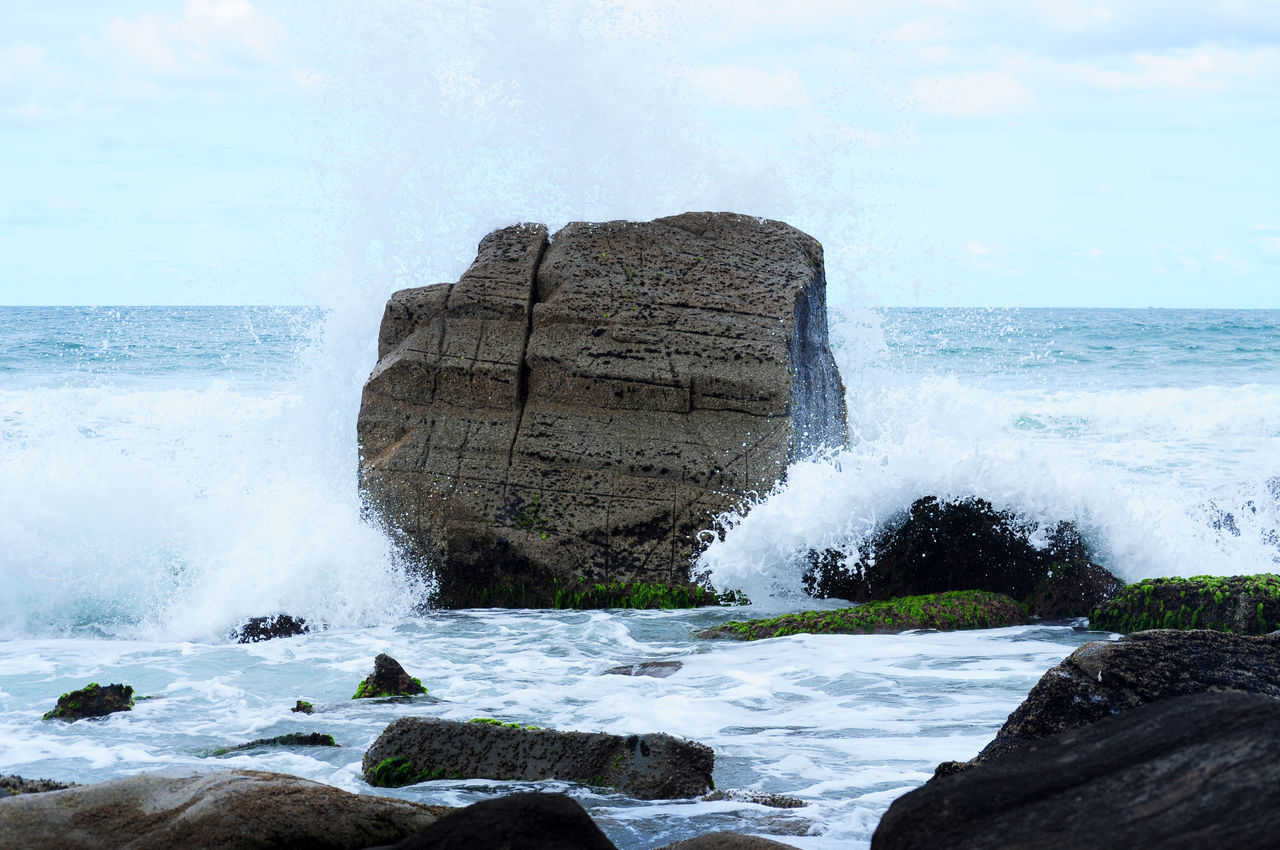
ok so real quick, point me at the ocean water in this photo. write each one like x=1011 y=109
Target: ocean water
x=167 y=472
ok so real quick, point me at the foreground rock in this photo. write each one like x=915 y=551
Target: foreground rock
x=650 y=767
x=236 y=808
x=580 y=409
x=388 y=679
x=526 y=821
x=1110 y=677
x=939 y=546
x=1192 y=772
x=93 y=700
x=1245 y=605
x=968 y=609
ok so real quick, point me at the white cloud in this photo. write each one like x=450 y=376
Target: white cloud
x=1203 y=68
x=972 y=94
x=212 y=36
x=977 y=249
x=750 y=87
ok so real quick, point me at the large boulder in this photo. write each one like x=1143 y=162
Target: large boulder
x=577 y=410
x=650 y=767
x=1110 y=677
x=528 y=821
x=234 y=808
x=1183 y=774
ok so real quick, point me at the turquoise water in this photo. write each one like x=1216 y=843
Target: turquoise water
x=167 y=472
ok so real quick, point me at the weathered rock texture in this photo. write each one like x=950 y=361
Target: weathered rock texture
x=1246 y=605
x=93 y=700
x=650 y=767
x=234 y=808
x=528 y=821
x=1192 y=772
x=1109 y=677
x=582 y=408
x=388 y=679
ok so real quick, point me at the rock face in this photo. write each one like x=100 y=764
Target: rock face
x=526 y=821
x=234 y=808
x=1192 y=772
x=650 y=767
x=939 y=546
x=1109 y=677
x=1246 y=605
x=582 y=408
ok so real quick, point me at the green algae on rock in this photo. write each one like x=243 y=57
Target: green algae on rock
x=957 y=609
x=93 y=700
x=1245 y=605
x=388 y=679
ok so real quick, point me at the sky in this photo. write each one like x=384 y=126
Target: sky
x=949 y=153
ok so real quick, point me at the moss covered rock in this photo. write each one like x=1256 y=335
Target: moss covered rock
x=958 y=609
x=388 y=679
x=93 y=700
x=1245 y=605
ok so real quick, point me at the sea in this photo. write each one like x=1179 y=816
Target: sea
x=168 y=472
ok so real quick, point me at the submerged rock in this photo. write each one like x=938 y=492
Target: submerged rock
x=1104 y=678
x=760 y=798
x=1245 y=605
x=656 y=669
x=93 y=700
x=937 y=546
x=388 y=679
x=650 y=767
x=727 y=841
x=960 y=609
x=233 y=808
x=257 y=629
x=579 y=408
x=529 y=821
x=1182 y=774
x=293 y=739
x=303 y=707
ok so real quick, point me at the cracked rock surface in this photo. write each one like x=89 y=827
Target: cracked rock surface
x=579 y=408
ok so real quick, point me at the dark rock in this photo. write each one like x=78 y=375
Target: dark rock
x=293 y=739
x=959 y=609
x=650 y=767
x=180 y=808
x=93 y=700
x=12 y=784
x=727 y=841
x=303 y=707
x=1181 y=774
x=1109 y=677
x=580 y=408
x=257 y=629
x=656 y=669
x=388 y=679
x=760 y=798
x=966 y=545
x=1246 y=605
x=516 y=822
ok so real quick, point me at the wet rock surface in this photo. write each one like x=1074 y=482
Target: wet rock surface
x=653 y=669
x=649 y=767
x=233 y=808
x=580 y=408
x=1104 y=678
x=93 y=700
x=1245 y=605
x=1191 y=772
x=527 y=821
x=257 y=629
x=388 y=679
x=727 y=841
x=969 y=609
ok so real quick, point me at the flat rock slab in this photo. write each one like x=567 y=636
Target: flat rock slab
x=1109 y=677
x=1190 y=772
x=650 y=767
x=232 y=808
